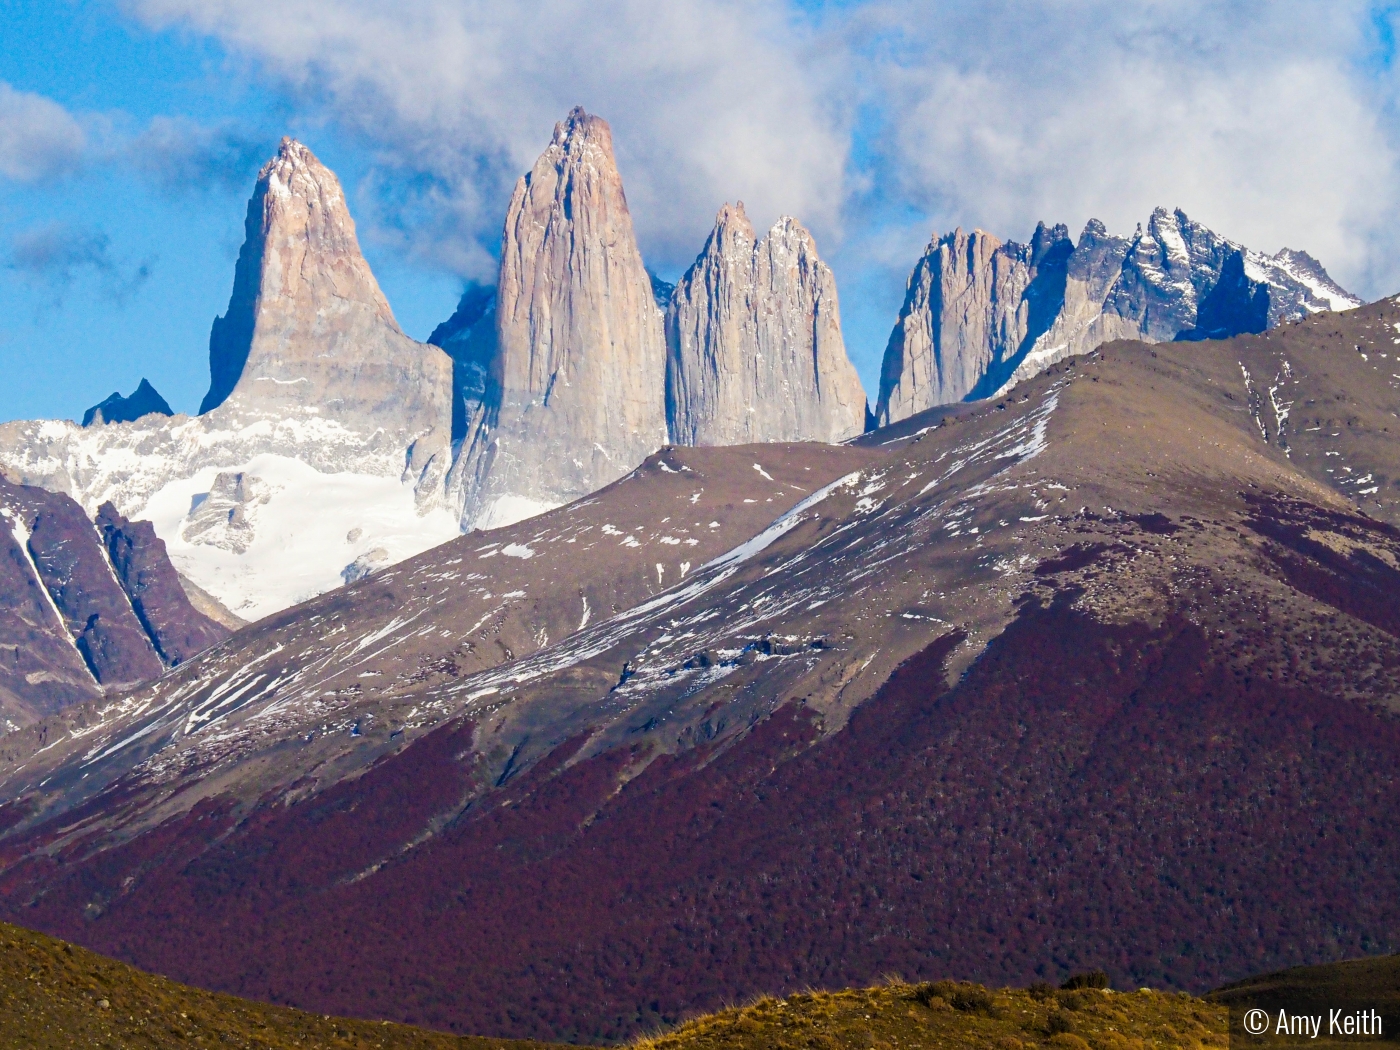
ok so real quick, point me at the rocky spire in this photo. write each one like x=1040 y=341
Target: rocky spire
x=971 y=305
x=578 y=383
x=1173 y=279
x=307 y=328
x=754 y=342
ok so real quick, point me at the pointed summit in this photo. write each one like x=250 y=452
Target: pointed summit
x=117 y=409
x=754 y=347
x=578 y=383
x=307 y=327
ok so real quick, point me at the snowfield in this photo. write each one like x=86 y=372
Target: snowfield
x=311 y=528
x=260 y=513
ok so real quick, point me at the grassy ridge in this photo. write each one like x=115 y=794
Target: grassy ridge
x=950 y=1015
x=56 y=996
x=1366 y=984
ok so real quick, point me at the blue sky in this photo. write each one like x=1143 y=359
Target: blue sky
x=131 y=132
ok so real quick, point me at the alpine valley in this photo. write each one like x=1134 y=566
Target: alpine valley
x=607 y=659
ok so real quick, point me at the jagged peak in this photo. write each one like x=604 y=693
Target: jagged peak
x=732 y=218
x=1094 y=229
x=789 y=227
x=581 y=131
x=292 y=162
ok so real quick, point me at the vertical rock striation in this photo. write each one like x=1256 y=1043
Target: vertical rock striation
x=152 y=585
x=308 y=330
x=66 y=557
x=41 y=671
x=754 y=342
x=82 y=608
x=980 y=316
x=971 y=307
x=577 y=387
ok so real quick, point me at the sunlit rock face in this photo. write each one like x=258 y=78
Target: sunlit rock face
x=754 y=342
x=980 y=316
x=323 y=420
x=576 y=395
x=307 y=327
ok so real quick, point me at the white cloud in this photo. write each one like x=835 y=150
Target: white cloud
x=39 y=139
x=1251 y=117
x=182 y=156
x=709 y=101
x=1261 y=118
x=54 y=255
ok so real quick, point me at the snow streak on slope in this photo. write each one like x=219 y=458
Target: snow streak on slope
x=366 y=656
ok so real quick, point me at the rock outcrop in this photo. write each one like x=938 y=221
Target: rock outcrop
x=980 y=316
x=143 y=401
x=84 y=608
x=322 y=417
x=95 y=610
x=142 y=567
x=577 y=394
x=308 y=330
x=754 y=347
x=972 y=306
x=41 y=671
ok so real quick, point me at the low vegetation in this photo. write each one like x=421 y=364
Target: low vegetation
x=948 y=1014
x=56 y=996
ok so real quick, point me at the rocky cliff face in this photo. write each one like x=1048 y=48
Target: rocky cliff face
x=95 y=610
x=754 y=342
x=578 y=380
x=323 y=420
x=84 y=608
x=307 y=328
x=980 y=316
x=973 y=304
x=41 y=671
x=469 y=338
x=138 y=558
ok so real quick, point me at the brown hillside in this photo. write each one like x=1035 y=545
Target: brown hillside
x=1360 y=984
x=1103 y=674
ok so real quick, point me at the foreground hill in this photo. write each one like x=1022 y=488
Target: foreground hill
x=55 y=996
x=1359 y=984
x=941 y=1014
x=1102 y=674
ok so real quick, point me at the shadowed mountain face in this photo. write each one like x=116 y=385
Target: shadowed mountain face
x=1060 y=681
x=980 y=316
x=117 y=409
x=138 y=559
x=469 y=338
x=84 y=609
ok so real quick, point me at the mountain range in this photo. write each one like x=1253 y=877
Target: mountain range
x=611 y=661
x=1010 y=688
x=330 y=444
